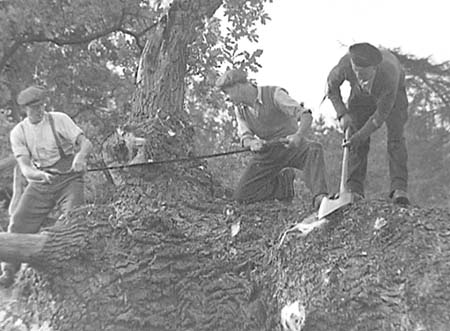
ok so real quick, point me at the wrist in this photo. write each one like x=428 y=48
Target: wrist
x=81 y=154
x=34 y=175
x=245 y=140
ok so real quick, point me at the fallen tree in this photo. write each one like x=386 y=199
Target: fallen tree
x=166 y=267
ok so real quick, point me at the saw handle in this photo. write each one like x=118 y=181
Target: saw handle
x=344 y=171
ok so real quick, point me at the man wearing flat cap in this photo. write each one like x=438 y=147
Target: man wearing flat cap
x=273 y=126
x=377 y=96
x=51 y=152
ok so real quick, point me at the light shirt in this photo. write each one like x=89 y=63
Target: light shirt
x=38 y=141
x=282 y=100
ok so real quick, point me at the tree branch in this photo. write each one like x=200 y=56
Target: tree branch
x=72 y=40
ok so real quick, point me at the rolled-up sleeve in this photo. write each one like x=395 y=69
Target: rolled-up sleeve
x=18 y=143
x=67 y=127
x=288 y=105
x=242 y=126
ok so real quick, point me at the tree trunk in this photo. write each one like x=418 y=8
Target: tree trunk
x=7 y=163
x=158 y=110
x=177 y=267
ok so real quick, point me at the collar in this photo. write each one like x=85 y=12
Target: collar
x=367 y=85
x=43 y=120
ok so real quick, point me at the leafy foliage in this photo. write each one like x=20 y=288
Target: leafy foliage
x=86 y=52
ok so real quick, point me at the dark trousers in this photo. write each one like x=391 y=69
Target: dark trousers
x=266 y=177
x=360 y=109
x=38 y=200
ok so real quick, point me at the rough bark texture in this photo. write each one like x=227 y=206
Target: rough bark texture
x=378 y=267
x=158 y=112
x=176 y=267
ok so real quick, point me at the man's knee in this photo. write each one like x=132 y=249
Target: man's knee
x=22 y=222
x=17 y=222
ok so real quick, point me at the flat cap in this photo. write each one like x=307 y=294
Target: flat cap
x=365 y=55
x=30 y=94
x=231 y=77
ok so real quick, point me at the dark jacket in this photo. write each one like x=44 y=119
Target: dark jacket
x=388 y=88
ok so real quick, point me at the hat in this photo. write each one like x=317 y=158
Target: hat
x=365 y=55
x=231 y=77
x=30 y=94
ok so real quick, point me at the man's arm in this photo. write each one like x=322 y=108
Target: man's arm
x=391 y=75
x=84 y=147
x=244 y=132
x=19 y=184
x=297 y=111
x=248 y=138
x=30 y=172
x=335 y=79
x=22 y=154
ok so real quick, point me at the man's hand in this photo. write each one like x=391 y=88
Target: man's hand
x=355 y=141
x=255 y=144
x=294 y=140
x=78 y=163
x=345 y=122
x=42 y=177
x=361 y=135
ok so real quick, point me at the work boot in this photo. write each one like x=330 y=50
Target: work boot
x=400 y=197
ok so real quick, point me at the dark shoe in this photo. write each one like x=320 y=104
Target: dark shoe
x=400 y=197
x=6 y=280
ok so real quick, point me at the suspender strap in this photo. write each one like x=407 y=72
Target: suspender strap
x=58 y=141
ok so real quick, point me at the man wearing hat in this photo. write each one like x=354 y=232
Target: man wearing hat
x=377 y=96
x=51 y=152
x=267 y=115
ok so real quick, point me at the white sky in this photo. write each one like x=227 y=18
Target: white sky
x=305 y=39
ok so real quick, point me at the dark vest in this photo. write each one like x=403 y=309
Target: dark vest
x=268 y=122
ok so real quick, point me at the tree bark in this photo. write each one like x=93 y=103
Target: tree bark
x=158 y=110
x=7 y=163
x=46 y=250
x=126 y=266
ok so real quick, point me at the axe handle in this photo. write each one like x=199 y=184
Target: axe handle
x=344 y=172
